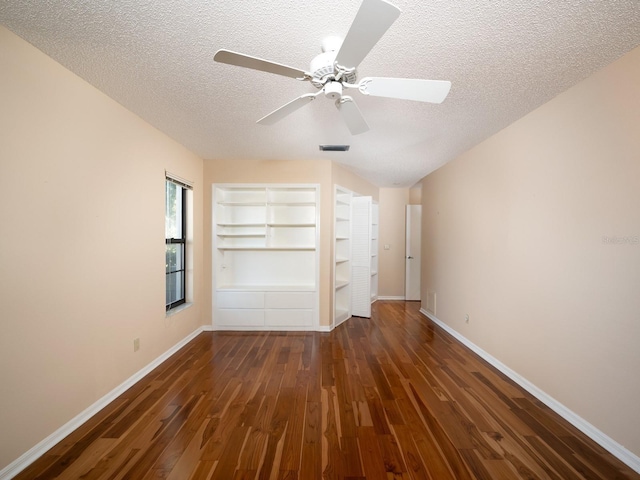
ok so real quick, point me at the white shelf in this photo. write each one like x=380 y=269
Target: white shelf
x=341 y=283
x=241 y=235
x=283 y=247
x=242 y=204
x=267 y=288
x=291 y=225
x=235 y=224
x=292 y=204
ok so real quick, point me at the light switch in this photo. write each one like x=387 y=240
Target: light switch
x=387 y=247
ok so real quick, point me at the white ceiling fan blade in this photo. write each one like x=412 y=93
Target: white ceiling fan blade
x=247 y=61
x=432 y=91
x=285 y=110
x=372 y=20
x=351 y=115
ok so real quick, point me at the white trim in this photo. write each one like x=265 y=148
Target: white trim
x=179 y=308
x=264 y=328
x=580 y=423
x=45 y=445
x=382 y=297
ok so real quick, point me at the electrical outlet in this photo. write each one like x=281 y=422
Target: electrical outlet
x=136 y=344
x=466 y=318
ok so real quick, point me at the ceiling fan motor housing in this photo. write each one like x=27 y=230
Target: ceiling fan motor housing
x=323 y=69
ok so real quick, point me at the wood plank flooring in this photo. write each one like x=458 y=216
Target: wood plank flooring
x=391 y=397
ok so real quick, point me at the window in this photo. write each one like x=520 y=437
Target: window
x=175 y=242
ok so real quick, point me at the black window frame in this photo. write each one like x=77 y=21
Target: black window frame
x=178 y=241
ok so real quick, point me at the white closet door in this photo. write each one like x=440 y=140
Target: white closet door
x=361 y=257
x=412 y=249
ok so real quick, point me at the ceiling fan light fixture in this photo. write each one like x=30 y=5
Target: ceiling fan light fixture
x=334 y=148
x=333 y=90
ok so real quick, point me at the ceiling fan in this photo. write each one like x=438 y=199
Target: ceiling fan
x=334 y=71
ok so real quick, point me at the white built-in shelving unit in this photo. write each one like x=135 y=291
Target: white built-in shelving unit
x=265 y=258
x=342 y=255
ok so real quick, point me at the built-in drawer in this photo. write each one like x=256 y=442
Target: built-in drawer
x=289 y=318
x=239 y=317
x=240 y=299
x=289 y=300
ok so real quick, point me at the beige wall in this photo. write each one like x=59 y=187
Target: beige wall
x=81 y=250
x=518 y=233
x=391 y=266
x=415 y=194
x=346 y=179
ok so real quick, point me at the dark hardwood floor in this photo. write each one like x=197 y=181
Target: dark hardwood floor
x=391 y=397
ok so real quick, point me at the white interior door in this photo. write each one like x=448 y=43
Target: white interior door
x=361 y=257
x=412 y=252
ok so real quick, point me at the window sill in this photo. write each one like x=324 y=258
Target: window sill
x=178 y=309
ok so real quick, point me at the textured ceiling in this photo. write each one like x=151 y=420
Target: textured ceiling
x=503 y=57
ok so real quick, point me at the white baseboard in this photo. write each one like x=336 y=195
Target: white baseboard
x=390 y=298
x=580 y=423
x=211 y=328
x=41 y=448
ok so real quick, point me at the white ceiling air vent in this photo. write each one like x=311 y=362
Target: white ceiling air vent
x=334 y=148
